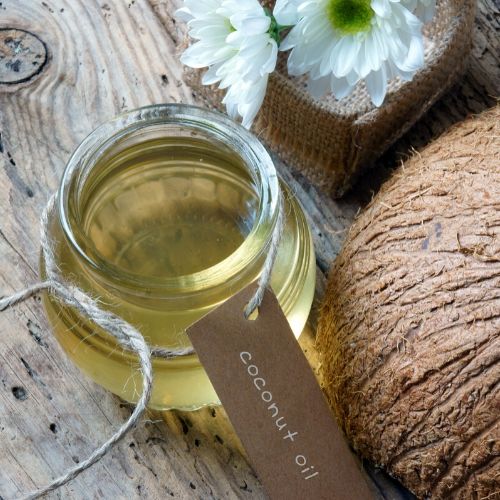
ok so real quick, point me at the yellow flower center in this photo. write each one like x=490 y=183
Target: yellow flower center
x=350 y=16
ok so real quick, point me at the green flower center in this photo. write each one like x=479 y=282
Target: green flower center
x=229 y=26
x=349 y=16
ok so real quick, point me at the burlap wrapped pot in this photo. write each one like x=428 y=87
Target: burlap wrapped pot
x=331 y=141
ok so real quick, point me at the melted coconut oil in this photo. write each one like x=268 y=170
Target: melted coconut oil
x=166 y=217
x=162 y=211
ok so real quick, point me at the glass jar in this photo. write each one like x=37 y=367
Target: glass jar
x=163 y=213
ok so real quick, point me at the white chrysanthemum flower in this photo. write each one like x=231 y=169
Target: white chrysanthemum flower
x=235 y=40
x=340 y=42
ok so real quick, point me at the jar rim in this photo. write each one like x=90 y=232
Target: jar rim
x=213 y=125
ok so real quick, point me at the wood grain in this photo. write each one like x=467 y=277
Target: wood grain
x=104 y=57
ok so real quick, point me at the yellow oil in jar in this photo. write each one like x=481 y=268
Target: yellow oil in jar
x=168 y=217
x=161 y=221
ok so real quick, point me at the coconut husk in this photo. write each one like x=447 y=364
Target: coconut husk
x=331 y=141
x=409 y=335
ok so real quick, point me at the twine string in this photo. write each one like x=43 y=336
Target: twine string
x=127 y=335
x=265 y=276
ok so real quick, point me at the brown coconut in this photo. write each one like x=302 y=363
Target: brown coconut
x=409 y=334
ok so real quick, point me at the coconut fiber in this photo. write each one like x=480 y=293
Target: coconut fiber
x=330 y=141
x=409 y=334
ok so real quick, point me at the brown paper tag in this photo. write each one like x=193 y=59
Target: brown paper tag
x=275 y=403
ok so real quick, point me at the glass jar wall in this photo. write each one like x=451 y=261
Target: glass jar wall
x=164 y=213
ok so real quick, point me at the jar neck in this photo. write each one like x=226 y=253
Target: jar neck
x=85 y=171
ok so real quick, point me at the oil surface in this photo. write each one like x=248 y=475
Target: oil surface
x=168 y=210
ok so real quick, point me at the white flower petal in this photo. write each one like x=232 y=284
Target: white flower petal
x=352 y=78
x=346 y=52
x=411 y=5
x=290 y=40
x=415 y=58
x=340 y=87
x=423 y=9
x=210 y=32
x=201 y=8
x=249 y=110
x=376 y=84
x=232 y=108
x=235 y=39
x=245 y=99
x=232 y=6
x=210 y=77
x=250 y=25
x=270 y=64
x=286 y=12
x=381 y=7
x=412 y=22
x=319 y=87
x=251 y=46
x=197 y=56
x=372 y=55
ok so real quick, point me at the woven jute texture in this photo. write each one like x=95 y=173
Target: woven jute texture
x=331 y=141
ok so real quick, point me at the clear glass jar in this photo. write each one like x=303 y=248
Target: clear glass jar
x=163 y=213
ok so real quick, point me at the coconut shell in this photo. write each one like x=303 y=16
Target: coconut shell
x=409 y=335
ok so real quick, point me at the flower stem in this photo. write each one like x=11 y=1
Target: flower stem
x=275 y=29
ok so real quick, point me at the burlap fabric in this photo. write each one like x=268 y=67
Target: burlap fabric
x=331 y=141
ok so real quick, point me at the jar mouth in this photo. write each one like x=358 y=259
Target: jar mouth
x=186 y=121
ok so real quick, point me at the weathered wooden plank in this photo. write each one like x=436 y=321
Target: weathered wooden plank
x=104 y=57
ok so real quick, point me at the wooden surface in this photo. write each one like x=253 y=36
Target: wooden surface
x=103 y=57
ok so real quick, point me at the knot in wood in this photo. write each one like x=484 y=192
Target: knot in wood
x=22 y=55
